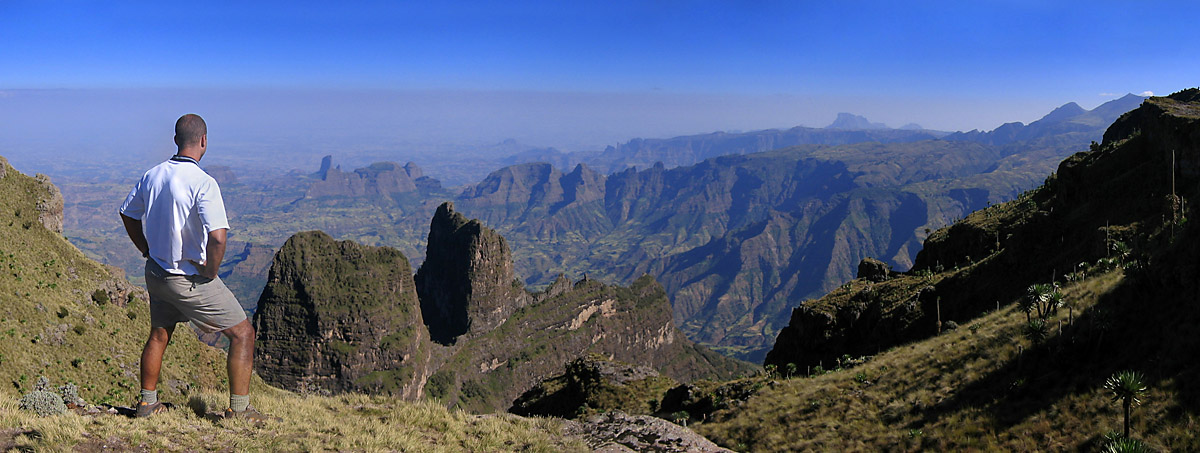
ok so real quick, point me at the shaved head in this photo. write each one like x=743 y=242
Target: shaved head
x=189 y=129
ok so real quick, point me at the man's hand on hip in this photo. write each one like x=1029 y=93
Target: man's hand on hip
x=204 y=270
x=215 y=253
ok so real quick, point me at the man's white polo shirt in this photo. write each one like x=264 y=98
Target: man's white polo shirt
x=178 y=204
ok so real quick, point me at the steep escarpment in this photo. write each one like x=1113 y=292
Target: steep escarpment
x=1116 y=205
x=547 y=204
x=466 y=284
x=340 y=316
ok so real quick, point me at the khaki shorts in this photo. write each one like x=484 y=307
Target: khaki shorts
x=180 y=298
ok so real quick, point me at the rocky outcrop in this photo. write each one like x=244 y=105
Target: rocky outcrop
x=381 y=179
x=118 y=290
x=873 y=270
x=466 y=284
x=326 y=164
x=339 y=316
x=3 y=167
x=617 y=431
x=592 y=384
x=49 y=204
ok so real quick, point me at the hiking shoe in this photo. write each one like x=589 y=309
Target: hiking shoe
x=145 y=410
x=250 y=414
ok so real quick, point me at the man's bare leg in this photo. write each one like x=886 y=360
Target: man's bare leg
x=241 y=357
x=152 y=355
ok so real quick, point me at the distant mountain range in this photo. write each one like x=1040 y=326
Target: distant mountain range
x=1066 y=123
x=739 y=227
x=644 y=153
x=739 y=239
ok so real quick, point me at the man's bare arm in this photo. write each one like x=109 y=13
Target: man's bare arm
x=214 y=253
x=133 y=227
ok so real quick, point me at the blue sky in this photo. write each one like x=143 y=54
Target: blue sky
x=947 y=65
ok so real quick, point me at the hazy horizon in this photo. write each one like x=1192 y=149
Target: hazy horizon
x=281 y=82
x=136 y=123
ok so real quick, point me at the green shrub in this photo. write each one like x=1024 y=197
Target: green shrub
x=43 y=403
x=1037 y=331
x=100 y=297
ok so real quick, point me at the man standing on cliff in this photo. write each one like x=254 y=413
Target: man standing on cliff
x=176 y=218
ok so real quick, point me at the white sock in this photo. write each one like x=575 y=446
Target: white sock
x=239 y=402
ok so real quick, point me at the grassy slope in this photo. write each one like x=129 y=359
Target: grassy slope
x=907 y=397
x=986 y=386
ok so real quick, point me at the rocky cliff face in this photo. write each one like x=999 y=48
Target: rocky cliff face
x=466 y=284
x=548 y=202
x=340 y=316
x=49 y=204
x=1113 y=206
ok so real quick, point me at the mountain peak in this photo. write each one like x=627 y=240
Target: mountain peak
x=466 y=285
x=850 y=121
x=1063 y=113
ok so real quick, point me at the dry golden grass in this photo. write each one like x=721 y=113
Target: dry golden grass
x=310 y=423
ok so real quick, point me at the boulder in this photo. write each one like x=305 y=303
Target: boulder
x=873 y=270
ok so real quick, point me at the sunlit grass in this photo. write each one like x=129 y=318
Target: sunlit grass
x=310 y=423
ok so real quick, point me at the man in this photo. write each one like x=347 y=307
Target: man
x=176 y=218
